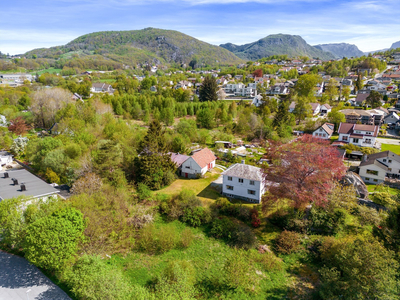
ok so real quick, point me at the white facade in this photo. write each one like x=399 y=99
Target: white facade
x=16 y=77
x=191 y=169
x=5 y=158
x=362 y=141
x=322 y=133
x=392 y=118
x=372 y=174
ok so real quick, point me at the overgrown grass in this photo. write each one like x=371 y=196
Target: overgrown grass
x=377 y=188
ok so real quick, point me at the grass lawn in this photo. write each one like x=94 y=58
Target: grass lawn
x=200 y=186
x=371 y=189
x=393 y=148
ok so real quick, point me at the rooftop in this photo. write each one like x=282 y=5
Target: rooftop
x=244 y=171
x=35 y=187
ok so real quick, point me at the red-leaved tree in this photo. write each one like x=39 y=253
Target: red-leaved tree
x=258 y=73
x=18 y=126
x=303 y=171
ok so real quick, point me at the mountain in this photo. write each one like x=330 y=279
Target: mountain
x=138 y=46
x=395 y=45
x=277 y=44
x=341 y=50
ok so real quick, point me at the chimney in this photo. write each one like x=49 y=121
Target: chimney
x=6 y=175
x=15 y=181
x=243 y=162
x=23 y=187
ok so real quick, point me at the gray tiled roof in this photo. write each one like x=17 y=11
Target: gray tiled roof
x=244 y=171
x=35 y=187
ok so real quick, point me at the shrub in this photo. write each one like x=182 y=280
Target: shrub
x=288 y=242
x=384 y=198
x=222 y=228
x=243 y=237
x=327 y=221
x=268 y=261
x=141 y=216
x=196 y=216
x=73 y=151
x=186 y=237
x=51 y=176
x=143 y=192
x=157 y=240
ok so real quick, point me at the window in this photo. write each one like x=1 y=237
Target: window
x=368 y=141
x=251 y=182
x=375 y=180
x=373 y=172
x=229 y=178
x=384 y=160
x=390 y=160
x=344 y=138
x=229 y=187
x=355 y=140
x=367 y=178
x=240 y=180
x=389 y=169
x=251 y=192
x=187 y=167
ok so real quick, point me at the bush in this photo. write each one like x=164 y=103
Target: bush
x=223 y=228
x=186 y=238
x=143 y=192
x=268 y=261
x=243 y=237
x=384 y=198
x=160 y=240
x=327 y=221
x=288 y=242
x=176 y=206
x=196 y=216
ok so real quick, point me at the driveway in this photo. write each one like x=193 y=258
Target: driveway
x=19 y=280
x=388 y=141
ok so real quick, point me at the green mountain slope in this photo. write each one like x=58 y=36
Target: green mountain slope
x=341 y=50
x=277 y=44
x=138 y=46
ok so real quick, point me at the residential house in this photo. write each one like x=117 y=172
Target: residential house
x=325 y=131
x=5 y=158
x=100 y=87
x=244 y=182
x=278 y=89
x=198 y=164
x=316 y=108
x=3 y=121
x=391 y=118
x=325 y=109
x=360 y=99
x=257 y=101
x=374 y=168
x=179 y=159
x=18 y=183
x=358 y=134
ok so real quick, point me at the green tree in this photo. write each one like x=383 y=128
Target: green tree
x=154 y=166
x=205 y=118
x=374 y=99
x=303 y=109
x=306 y=84
x=51 y=241
x=336 y=117
x=331 y=89
x=282 y=116
x=208 y=89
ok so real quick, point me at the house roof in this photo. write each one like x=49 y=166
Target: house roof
x=178 y=159
x=244 y=171
x=328 y=127
x=327 y=106
x=361 y=98
x=292 y=105
x=345 y=128
x=203 y=157
x=35 y=186
x=314 y=106
x=384 y=154
x=373 y=128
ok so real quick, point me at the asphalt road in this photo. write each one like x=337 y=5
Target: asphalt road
x=19 y=280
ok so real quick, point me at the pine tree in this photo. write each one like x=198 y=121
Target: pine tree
x=282 y=115
x=154 y=166
x=208 y=90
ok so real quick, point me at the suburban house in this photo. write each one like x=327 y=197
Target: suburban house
x=315 y=108
x=240 y=89
x=198 y=164
x=3 y=121
x=16 y=77
x=243 y=182
x=325 y=109
x=5 y=158
x=358 y=134
x=360 y=99
x=374 y=168
x=100 y=87
x=325 y=131
x=368 y=117
x=23 y=183
x=391 y=118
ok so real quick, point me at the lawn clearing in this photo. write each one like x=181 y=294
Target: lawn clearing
x=393 y=148
x=201 y=187
x=372 y=188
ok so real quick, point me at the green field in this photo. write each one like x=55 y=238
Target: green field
x=375 y=188
x=393 y=148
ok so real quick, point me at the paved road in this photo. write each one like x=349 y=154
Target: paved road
x=388 y=141
x=17 y=277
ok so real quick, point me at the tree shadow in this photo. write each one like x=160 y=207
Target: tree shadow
x=210 y=192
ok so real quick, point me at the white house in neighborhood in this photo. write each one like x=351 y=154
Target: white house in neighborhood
x=358 y=134
x=5 y=158
x=375 y=167
x=100 y=87
x=243 y=182
x=391 y=118
x=3 y=121
x=198 y=164
x=325 y=108
x=325 y=131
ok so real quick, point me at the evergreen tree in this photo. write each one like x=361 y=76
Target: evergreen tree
x=208 y=90
x=154 y=166
x=282 y=115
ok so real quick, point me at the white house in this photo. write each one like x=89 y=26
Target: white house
x=358 y=134
x=198 y=164
x=3 y=121
x=325 y=109
x=100 y=87
x=243 y=182
x=375 y=167
x=257 y=101
x=316 y=108
x=5 y=158
x=391 y=118
x=325 y=131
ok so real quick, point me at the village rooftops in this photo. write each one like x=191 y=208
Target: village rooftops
x=348 y=128
x=244 y=171
x=34 y=186
x=370 y=158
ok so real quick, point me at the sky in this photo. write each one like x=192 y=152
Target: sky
x=371 y=25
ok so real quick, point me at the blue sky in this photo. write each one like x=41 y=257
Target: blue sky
x=371 y=25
